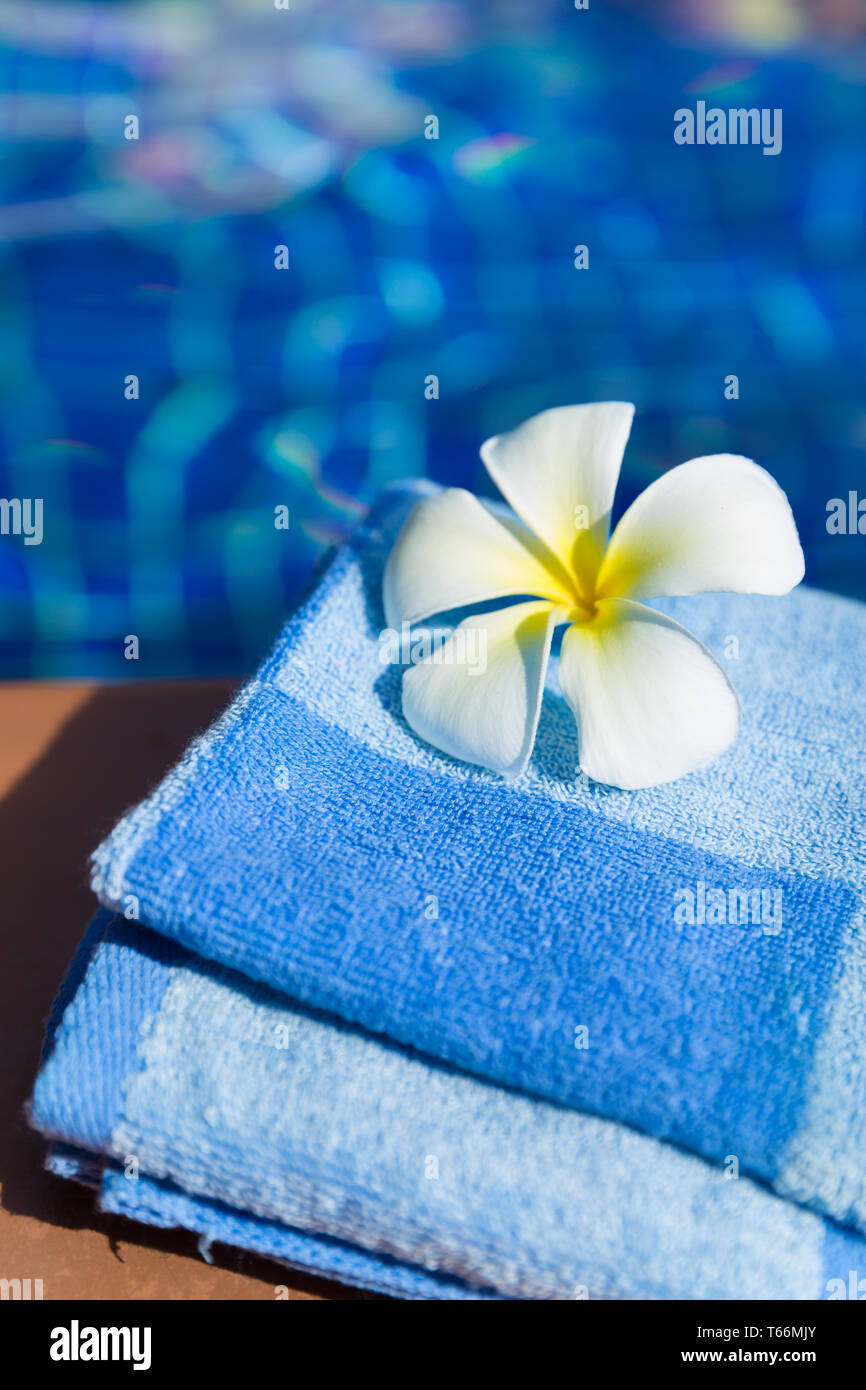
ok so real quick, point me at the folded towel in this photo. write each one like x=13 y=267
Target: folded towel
x=165 y=1206
x=221 y=1106
x=687 y=959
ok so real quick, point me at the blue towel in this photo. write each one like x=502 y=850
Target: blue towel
x=688 y=959
x=220 y=1105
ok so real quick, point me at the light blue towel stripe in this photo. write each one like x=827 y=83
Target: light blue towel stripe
x=165 y=1206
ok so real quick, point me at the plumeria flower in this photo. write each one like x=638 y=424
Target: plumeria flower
x=650 y=701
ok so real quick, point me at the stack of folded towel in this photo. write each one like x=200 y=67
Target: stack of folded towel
x=385 y=1017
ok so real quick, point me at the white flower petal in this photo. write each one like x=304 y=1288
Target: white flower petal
x=489 y=716
x=559 y=472
x=651 y=702
x=716 y=523
x=452 y=551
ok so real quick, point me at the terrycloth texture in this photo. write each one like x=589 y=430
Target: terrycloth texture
x=163 y=1205
x=105 y=1010
x=310 y=841
x=257 y=1122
